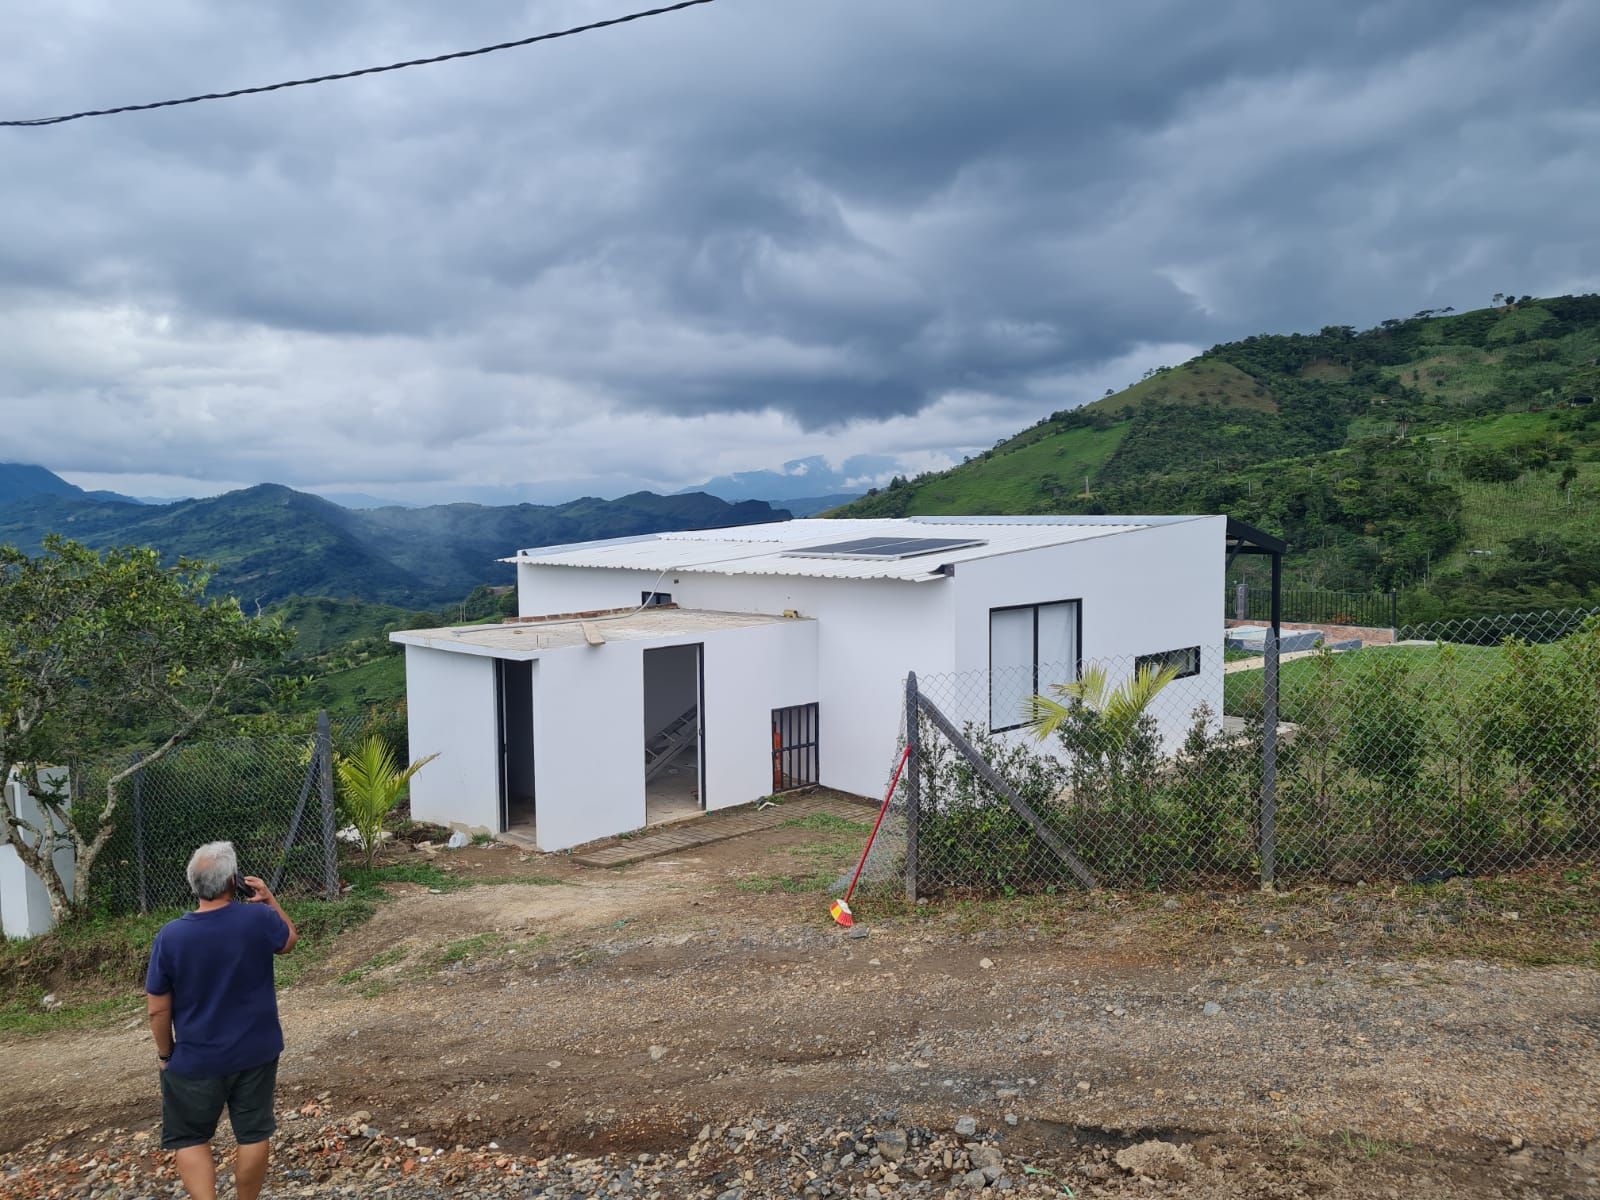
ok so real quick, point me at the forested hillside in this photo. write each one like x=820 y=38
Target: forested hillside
x=1455 y=456
x=270 y=542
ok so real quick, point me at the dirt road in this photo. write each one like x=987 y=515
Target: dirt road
x=619 y=1012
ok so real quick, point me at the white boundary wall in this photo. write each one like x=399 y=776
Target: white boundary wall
x=24 y=904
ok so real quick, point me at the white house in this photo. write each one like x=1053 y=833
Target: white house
x=651 y=676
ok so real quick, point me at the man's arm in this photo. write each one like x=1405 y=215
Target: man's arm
x=263 y=895
x=159 y=1010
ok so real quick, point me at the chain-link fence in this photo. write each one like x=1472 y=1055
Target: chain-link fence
x=1469 y=747
x=270 y=794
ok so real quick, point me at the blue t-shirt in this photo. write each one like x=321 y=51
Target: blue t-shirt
x=218 y=966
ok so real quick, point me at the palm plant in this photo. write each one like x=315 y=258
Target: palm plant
x=1107 y=732
x=1120 y=708
x=370 y=785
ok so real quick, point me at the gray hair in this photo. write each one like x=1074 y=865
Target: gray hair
x=211 y=869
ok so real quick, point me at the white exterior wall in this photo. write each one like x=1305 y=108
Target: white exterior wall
x=24 y=904
x=588 y=728
x=746 y=677
x=1141 y=593
x=450 y=705
x=869 y=634
x=588 y=743
x=588 y=746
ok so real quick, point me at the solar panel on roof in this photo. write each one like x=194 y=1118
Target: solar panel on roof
x=882 y=547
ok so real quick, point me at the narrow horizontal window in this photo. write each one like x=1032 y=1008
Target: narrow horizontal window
x=1186 y=661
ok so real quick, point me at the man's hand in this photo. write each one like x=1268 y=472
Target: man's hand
x=260 y=892
x=158 y=1007
x=263 y=895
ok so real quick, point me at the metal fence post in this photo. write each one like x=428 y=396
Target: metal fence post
x=913 y=785
x=1269 y=761
x=1394 y=616
x=138 y=835
x=330 y=857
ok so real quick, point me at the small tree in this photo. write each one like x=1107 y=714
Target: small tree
x=101 y=650
x=370 y=785
x=1107 y=729
x=1382 y=737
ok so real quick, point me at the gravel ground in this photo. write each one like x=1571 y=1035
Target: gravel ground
x=673 y=1030
x=316 y=1156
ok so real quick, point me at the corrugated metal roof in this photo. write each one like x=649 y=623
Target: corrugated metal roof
x=764 y=549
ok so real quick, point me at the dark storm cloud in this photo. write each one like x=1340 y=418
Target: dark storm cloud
x=801 y=222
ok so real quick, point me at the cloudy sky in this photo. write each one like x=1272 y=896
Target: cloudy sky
x=742 y=234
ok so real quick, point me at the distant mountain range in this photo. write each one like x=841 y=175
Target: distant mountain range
x=23 y=479
x=269 y=542
x=804 y=485
x=363 y=500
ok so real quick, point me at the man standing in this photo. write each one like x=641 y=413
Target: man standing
x=214 y=1014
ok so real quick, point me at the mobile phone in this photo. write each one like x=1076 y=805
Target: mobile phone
x=241 y=889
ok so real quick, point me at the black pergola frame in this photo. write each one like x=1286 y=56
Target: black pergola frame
x=1247 y=539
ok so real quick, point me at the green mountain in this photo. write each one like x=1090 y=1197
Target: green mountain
x=342 y=646
x=271 y=542
x=1455 y=456
x=18 y=480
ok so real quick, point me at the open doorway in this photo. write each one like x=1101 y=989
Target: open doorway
x=673 y=745
x=514 y=702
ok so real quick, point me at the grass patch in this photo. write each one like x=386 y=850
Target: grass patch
x=319 y=923
x=525 y=880
x=23 y=1019
x=1533 y=918
x=826 y=822
x=83 y=960
x=380 y=960
x=814 y=881
x=367 y=883
x=814 y=865
x=1359 y=1145
x=360 y=977
x=1242 y=690
x=468 y=947
x=109 y=951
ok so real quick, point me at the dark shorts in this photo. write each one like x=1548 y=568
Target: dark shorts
x=190 y=1107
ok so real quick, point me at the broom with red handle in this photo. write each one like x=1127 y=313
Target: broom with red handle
x=840 y=909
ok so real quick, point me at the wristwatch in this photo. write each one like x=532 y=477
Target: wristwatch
x=164 y=1057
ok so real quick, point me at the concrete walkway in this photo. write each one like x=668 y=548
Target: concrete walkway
x=719 y=826
x=1256 y=664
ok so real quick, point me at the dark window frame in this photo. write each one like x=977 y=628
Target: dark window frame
x=654 y=599
x=1162 y=658
x=1077 y=637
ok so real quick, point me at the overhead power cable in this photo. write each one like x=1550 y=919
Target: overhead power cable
x=397 y=66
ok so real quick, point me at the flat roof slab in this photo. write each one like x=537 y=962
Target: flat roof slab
x=527 y=639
